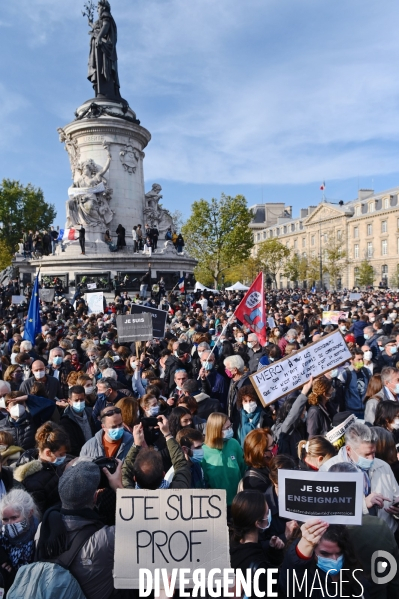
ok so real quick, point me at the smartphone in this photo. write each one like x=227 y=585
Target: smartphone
x=149 y=421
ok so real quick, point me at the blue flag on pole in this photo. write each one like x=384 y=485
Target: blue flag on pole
x=33 y=326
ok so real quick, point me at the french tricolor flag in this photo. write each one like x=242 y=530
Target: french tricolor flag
x=181 y=285
x=67 y=235
x=323 y=186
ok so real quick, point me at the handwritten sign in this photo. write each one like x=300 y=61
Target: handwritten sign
x=282 y=377
x=95 y=303
x=180 y=528
x=335 y=497
x=333 y=316
x=18 y=299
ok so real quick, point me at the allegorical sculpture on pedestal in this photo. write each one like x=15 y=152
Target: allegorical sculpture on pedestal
x=154 y=214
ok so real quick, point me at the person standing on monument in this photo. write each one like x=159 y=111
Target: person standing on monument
x=154 y=236
x=139 y=238
x=145 y=281
x=121 y=242
x=82 y=239
x=134 y=238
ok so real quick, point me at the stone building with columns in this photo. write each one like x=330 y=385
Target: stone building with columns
x=368 y=228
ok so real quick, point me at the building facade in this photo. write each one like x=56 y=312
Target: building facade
x=367 y=228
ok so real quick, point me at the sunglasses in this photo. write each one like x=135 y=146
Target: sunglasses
x=111 y=412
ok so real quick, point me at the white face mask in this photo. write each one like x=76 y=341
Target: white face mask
x=395 y=424
x=17 y=411
x=249 y=406
x=89 y=390
x=39 y=374
x=368 y=355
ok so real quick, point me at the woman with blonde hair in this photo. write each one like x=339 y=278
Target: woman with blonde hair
x=14 y=375
x=313 y=453
x=223 y=464
x=318 y=419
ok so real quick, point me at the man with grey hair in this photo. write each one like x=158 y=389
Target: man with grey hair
x=290 y=337
x=389 y=353
x=254 y=352
x=235 y=370
x=389 y=392
x=381 y=490
x=213 y=384
x=107 y=393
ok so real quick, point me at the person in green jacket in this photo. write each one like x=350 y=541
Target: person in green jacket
x=223 y=464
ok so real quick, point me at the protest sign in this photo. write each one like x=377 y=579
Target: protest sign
x=270 y=322
x=282 y=377
x=91 y=285
x=337 y=435
x=333 y=316
x=47 y=295
x=158 y=318
x=355 y=296
x=18 y=299
x=335 y=497
x=134 y=327
x=95 y=302
x=180 y=528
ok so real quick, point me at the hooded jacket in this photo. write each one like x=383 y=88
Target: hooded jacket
x=95 y=449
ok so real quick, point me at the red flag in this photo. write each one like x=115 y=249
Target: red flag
x=323 y=186
x=251 y=310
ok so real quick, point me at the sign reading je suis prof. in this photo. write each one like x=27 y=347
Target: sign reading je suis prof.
x=282 y=377
x=134 y=327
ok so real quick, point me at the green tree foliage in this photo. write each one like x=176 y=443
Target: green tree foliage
x=366 y=274
x=246 y=272
x=5 y=255
x=295 y=268
x=217 y=234
x=335 y=257
x=273 y=257
x=313 y=270
x=22 y=207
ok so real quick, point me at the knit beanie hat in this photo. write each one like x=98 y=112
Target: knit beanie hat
x=78 y=484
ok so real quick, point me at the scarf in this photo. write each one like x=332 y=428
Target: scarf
x=53 y=534
x=21 y=549
x=249 y=422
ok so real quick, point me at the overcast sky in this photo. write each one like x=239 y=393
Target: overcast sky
x=264 y=97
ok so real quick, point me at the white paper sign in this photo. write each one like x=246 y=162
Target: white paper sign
x=95 y=302
x=18 y=299
x=335 y=497
x=91 y=285
x=270 y=322
x=180 y=528
x=355 y=296
x=282 y=377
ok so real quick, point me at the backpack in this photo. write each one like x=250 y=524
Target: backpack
x=43 y=579
x=249 y=473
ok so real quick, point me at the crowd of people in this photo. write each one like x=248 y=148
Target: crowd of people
x=77 y=412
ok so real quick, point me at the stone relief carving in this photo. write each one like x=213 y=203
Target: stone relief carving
x=154 y=214
x=72 y=147
x=90 y=196
x=129 y=157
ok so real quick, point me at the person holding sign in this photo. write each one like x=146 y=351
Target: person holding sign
x=380 y=487
x=319 y=421
x=323 y=551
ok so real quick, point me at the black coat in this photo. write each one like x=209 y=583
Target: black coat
x=74 y=432
x=120 y=231
x=318 y=421
x=22 y=430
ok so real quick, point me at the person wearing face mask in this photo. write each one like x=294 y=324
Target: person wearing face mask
x=358 y=327
x=223 y=463
x=356 y=380
x=52 y=384
x=90 y=389
x=368 y=358
x=389 y=391
x=389 y=354
x=254 y=351
x=20 y=520
x=318 y=421
x=387 y=417
x=60 y=368
x=251 y=516
x=191 y=441
x=291 y=421
x=251 y=414
x=212 y=383
x=235 y=370
x=322 y=552
x=112 y=441
x=77 y=420
x=381 y=490
x=179 y=360
x=39 y=470
x=107 y=393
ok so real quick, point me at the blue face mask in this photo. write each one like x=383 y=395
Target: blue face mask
x=208 y=365
x=197 y=455
x=394 y=349
x=269 y=521
x=57 y=360
x=115 y=433
x=334 y=373
x=364 y=463
x=366 y=336
x=59 y=461
x=144 y=382
x=326 y=564
x=78 y=406
x=154 y=411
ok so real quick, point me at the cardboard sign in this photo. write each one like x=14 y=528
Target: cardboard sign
x=333 y=316
x=355 y=296
x=47 y=295
x=180 y=528
x=158 y=318
x=335 y=497
x=337 y=435
x=95 y=303
x=134 y=327
x=18 y=299
x=282 y=377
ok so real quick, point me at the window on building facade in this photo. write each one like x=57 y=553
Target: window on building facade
x=386 y=202
x=356 y=273
x=384 y=272
x=313 y=254
x=271 y=234
x=278 y=231
x=339 y=234
x=384 y=247
x=356 y=252
x=355 y=231
x=369 y=229
x=303 y=242
x=284 y=229
x=312 y=240
x=295 y=244
x=384 y=227
x=264 y=234
x=258 y=237
x=370 y=249
x=292 y=227
x=358 y=210
x=371 y=206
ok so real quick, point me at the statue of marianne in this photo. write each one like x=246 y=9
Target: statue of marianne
x=103 y=60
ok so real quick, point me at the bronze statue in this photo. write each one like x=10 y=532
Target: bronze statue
x=103 y=60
